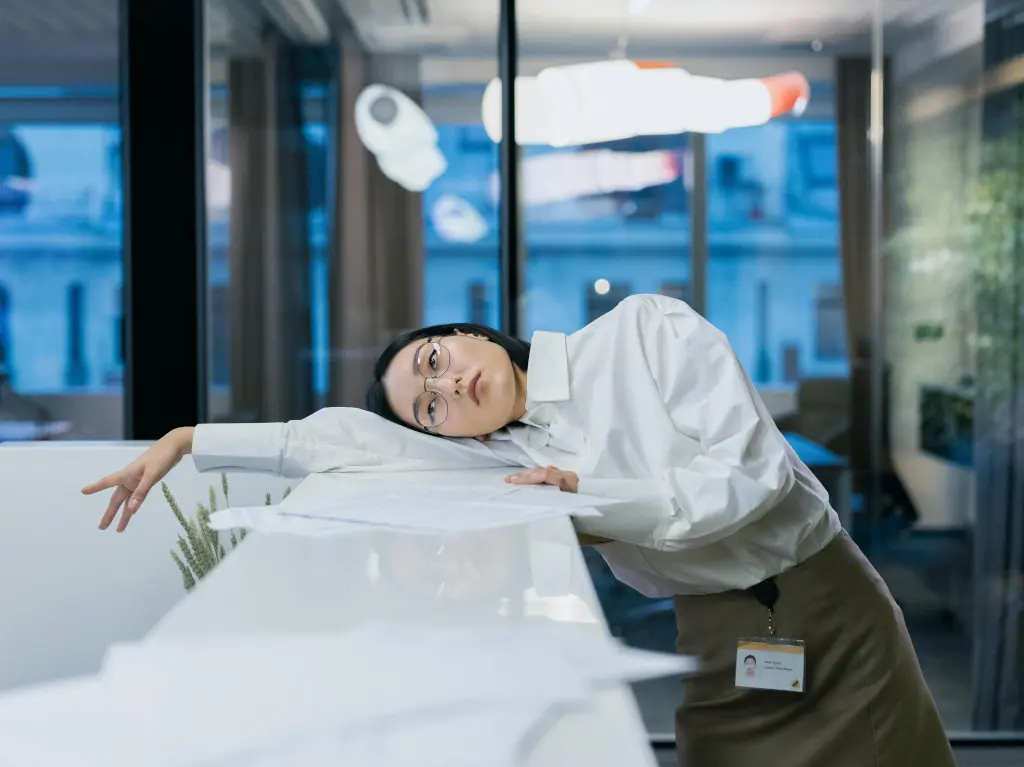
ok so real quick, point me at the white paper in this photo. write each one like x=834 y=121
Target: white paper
x=243 y=693
x=371 y=695
x=448 y=509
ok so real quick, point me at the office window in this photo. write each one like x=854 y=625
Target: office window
x=478 y=303
x=60 y=212
x=615 y=212
x=603 y=296
x=829 y=323
x=76 y=371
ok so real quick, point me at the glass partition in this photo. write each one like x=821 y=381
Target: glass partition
x=953 y=363
x=61 y=323
x=888 y=349
x=327 y=237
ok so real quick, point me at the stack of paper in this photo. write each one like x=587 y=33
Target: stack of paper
x=371 y=697
x=433 y=508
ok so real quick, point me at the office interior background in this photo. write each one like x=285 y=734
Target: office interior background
x=865 y=259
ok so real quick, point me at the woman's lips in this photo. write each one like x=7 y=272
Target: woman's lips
x=474 y=394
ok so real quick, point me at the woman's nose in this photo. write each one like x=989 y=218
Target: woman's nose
x=451 y=385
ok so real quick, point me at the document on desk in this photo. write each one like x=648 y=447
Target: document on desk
x=433 y=508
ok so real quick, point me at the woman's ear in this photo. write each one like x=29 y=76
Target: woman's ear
x=483 y=438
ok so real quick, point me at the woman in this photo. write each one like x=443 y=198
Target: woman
x=649 y=406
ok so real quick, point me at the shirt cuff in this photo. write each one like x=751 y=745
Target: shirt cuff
x=238 y=446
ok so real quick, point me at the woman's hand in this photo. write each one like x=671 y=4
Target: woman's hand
x=566 y=481
x=134 y=481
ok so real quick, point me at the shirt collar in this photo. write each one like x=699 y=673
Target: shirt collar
x=547 y=379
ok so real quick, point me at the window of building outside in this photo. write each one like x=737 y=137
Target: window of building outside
x=115 y=366
x=830 y=323
x=76 y=367
x=478 y=313
x=679 y=290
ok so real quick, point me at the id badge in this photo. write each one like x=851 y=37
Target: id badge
x=770 y=664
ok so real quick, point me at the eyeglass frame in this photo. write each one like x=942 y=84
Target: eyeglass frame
x=437 y=347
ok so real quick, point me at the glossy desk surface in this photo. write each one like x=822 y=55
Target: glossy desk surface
x=507 y=576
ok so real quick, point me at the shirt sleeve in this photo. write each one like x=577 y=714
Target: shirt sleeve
x=744 y=467
x=294 y=449
x=332 y=440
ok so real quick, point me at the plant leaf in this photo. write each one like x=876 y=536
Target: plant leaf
x=200 y=549
x=186 y=575
x=169 y=497
x=193 y=563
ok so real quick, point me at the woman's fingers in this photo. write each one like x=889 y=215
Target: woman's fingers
x=109 y=481
x=135 y=501
x=566 y=481
x=117 y=499
x=538 y=476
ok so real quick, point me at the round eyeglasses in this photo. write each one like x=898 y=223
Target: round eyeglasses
x=430 y=409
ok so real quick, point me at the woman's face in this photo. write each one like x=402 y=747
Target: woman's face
x=455 y=386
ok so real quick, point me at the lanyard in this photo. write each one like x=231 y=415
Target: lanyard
x=767 y=593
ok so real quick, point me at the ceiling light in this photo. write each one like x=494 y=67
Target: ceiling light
x=619 y=99
x=400 y=135
x=602 y=286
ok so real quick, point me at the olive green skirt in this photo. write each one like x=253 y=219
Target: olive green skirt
x=866 y=703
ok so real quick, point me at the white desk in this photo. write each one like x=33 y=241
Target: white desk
x=532 y=572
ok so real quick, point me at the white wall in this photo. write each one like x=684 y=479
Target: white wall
x=69 y=590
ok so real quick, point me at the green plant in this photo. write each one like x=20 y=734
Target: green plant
x=201 y=548
x=954 y=261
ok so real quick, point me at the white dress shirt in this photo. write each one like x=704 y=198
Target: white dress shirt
x=649 y=406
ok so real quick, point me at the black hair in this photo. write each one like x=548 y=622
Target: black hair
x=376 y=397
x=750 y=657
